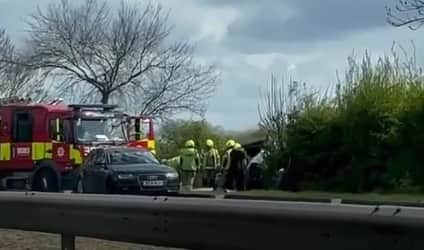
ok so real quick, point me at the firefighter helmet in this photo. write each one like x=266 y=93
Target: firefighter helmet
x=209 y=143
x=230 y=143
x=189 y=144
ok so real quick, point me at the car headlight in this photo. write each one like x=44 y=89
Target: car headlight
x=172 y=175
x=125 y=176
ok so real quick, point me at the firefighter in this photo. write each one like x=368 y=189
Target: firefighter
x=189 y=165
x=225 y=163
x=152 y=150
x=244 y=163
x=210 y=164
x=236 y=165
x=246 y=157
x=226 y=156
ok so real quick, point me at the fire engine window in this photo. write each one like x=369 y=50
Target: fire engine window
x=56 y=133
x=67 y=131
x=22 y=129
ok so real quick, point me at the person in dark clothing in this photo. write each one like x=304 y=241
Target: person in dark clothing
x=237 y=164
x=221 y=177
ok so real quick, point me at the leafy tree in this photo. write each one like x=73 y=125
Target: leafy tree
x=366 y=136
x=173 y=134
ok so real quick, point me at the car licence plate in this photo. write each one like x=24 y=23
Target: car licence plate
x=156 y=183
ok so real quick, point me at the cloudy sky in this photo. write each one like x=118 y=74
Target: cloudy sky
x=308 y=40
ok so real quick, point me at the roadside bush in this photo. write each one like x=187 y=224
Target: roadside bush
x=366 y=136
x=174 y=133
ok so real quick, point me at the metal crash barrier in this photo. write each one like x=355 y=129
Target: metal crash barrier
x=195 y=223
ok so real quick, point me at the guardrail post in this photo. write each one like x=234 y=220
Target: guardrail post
x=68 y=242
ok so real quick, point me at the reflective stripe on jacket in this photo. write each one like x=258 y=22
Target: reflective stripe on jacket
x=189 y=159
x=211 y=159
x=226 y=159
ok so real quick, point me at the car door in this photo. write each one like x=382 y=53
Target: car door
x=88 y=172
x=100 y=171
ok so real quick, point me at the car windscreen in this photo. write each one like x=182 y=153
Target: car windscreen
x=128 y=157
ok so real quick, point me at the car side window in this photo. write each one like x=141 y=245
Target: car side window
x=99 y=158
x=89 y=161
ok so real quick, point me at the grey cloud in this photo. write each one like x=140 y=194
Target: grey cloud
x=237 y=98
x=220 y=3
x=306 y=22
x=255 y=45
x=266 y=26
x=14 y=13
x=233 y=113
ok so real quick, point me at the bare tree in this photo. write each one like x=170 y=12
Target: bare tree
x=19 y=81
x=6 y=49
x=120 y=55
x=182 y=86
x=16 y=79
x=406 y=13
x=78 y=92
x=282 y=103
x=273 y=110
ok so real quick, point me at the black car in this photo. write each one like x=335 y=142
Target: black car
x=126 y=170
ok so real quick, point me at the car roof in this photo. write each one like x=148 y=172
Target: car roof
x=124 y=149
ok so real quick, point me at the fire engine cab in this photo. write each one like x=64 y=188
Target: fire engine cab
x=43 y=145
x=141 y=132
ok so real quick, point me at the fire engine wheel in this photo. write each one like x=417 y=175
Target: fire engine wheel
x=45 y=181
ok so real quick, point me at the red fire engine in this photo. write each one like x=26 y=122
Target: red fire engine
x=42 y=145
x=141 y=132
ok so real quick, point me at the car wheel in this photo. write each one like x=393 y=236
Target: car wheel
x=45 y=181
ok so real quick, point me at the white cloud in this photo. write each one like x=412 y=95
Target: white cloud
x=261 y=61
x=291 y=67
x=214 y=24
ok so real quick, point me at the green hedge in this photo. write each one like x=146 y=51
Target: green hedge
x=367 y=136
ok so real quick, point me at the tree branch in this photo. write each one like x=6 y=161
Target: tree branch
x=408 y=13
x=124 y=55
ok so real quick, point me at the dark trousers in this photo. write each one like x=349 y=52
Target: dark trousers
x=209 y=178
x=255 y=178
x=234 y=175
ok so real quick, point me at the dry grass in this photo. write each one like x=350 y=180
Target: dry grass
x=21 y=240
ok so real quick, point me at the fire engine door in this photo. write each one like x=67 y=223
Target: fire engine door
x=142 y=128
x=60 y=149
x=136 y=130
x=22 y=137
